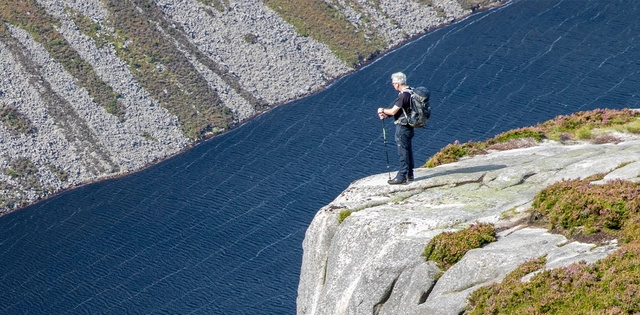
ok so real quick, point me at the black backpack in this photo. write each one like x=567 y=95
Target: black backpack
x=420 y=107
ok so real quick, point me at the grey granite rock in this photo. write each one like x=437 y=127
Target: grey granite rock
x=371 y=263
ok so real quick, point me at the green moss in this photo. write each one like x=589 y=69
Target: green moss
x=584 y=133
x=448 y=248
x=520 y=133
x=623 y=164
x=345 y=213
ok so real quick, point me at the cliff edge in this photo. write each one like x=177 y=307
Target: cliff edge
x=371 y=262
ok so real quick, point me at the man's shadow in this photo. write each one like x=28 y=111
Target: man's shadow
x=467 y=170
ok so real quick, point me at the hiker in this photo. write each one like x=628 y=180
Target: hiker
x=404 y=132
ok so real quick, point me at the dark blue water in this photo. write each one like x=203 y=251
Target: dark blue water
x=218 y=229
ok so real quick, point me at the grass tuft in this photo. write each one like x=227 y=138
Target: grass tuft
x=345 y=213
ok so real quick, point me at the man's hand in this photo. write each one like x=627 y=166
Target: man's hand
x=381 y=113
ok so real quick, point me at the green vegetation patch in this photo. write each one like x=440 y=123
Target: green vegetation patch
x=577 y=126
x=30 y=16
x=447 y=248
x=474 y=4
x=148 y=136
x=250 y=38
x=15 y=121
x=345 y=213
x=326 y=24
x=219 y=5
x=62 y=175
x=10 y=197
x=24 y=172
x=453 y=152
x=145 y=41
x=633 y=127
x=575 y=123
x=609 y=286
x=577 y=206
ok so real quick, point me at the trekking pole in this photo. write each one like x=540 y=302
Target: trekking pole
x=384 y=136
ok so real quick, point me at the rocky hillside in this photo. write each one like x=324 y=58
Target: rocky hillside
x=97 y=88
x=363 y=251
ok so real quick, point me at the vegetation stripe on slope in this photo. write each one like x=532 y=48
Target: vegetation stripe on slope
x=324 y=23
x=30 y=16
x=73 y=126
x=154 y=13
x=163 y=70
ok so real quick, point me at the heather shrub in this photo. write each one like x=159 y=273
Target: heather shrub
x=609 y=286
x=593 y=208
x=448 y=248
x=577 y=126
x=598 y=118
x=491 y=299
x=452 y=152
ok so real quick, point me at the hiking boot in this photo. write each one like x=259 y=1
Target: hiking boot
x=410 y=178
x=397 y=181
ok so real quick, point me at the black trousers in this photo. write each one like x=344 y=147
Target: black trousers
x=404 y=134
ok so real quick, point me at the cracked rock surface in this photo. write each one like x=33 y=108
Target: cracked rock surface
x=371 y=264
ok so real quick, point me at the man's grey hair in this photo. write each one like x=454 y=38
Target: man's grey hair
x=399 y=77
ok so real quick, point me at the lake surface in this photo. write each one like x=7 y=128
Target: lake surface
x=219 y=228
